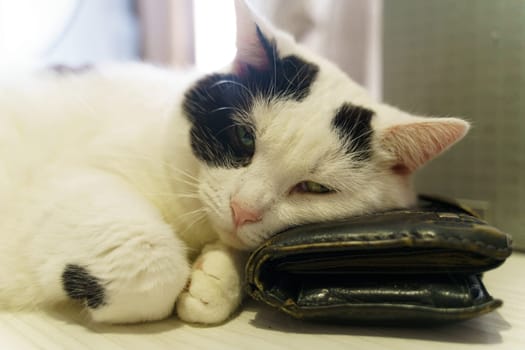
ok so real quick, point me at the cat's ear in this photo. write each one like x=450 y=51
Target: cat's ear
x=252 y=45
x=414 y=141
x=256 y=40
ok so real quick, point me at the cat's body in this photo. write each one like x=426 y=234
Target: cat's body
x=114 y=181
x=91 y=133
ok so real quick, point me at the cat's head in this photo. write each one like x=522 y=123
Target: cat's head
x=285 y=138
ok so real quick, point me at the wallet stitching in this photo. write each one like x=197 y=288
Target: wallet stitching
x=400 y=236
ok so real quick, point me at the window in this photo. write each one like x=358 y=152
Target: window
x=214 y=33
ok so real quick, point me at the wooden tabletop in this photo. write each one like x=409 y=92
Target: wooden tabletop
x=260 y=327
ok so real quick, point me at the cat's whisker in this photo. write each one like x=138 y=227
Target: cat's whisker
x=292 y=82
x=173 y=196
x=191 y=214
x=227 y=128
x=186 y=182
x=183 y=172
x=274 y=58
x=233 y=82
x=207 y=146
x=138 y=173
x=356 y=114
x=354 y=142
x=191 y=180
x=365 y=134
x=189 y=226
x=187 y=195
x=297 y=73
x=235 y=109
x=212 y=202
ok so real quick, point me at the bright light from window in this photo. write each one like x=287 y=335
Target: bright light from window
x=214 y=33
x=28 y=28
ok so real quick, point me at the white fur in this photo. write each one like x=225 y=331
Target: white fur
x=96 y=170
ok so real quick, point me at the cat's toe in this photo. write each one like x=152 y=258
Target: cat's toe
x=204 y=301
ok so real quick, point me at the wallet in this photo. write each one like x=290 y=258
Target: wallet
x=416 y=266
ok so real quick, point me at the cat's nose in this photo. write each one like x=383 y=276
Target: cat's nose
x=243 y=215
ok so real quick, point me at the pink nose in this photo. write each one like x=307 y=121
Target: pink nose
x=242 y=215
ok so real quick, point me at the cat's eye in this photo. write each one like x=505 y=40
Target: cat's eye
x=245 y=136
x=242 y=144
x=311 y=187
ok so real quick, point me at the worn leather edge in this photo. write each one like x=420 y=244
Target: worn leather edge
x=384 y=314
x=374 y=313
x=363 y=233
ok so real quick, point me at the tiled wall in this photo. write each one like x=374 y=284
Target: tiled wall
x=466 y=58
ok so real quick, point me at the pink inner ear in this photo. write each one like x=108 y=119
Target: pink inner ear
x=255 y=57
x=250 y=50
x=415 y=144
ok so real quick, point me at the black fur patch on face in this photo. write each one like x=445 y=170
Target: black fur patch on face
x=352 y=124
x=214 y=102
x=80 y=284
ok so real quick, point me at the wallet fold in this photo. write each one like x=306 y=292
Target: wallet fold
x=420 y=265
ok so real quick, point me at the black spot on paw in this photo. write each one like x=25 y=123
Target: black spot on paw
x=79 y=284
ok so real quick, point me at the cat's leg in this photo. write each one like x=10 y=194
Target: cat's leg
x=102 y=243
x=215 y=290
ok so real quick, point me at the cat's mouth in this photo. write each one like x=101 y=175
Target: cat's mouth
x=237 y=242
x=232 y=238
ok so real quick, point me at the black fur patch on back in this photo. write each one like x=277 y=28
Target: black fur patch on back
x=63 y=69
x=80 y=284
x=212 y=104
x=352 y=124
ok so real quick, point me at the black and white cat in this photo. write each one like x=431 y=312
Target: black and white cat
x=133 y=190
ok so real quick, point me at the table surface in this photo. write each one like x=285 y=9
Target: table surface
x=260 y=327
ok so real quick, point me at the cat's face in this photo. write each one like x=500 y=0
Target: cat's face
x=285 y=138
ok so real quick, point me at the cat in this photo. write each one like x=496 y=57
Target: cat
x=136 y=191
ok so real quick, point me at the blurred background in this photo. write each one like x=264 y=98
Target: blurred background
x=433 y=57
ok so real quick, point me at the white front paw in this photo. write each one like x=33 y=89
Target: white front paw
x=204 y=301
x=215 y=290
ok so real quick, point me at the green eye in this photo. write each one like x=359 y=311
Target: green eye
x=245 y=136
x=241 y=142
x=311 y=187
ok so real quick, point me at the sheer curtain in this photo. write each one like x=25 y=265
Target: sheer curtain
x=166 y=31
x=72 y=32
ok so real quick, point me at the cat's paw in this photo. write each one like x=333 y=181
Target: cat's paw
x=138 y=280
x=214 y=291
x=204 y=301
x=149 y=297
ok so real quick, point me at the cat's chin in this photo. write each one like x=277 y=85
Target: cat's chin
x=229 y=235
x=232 y=239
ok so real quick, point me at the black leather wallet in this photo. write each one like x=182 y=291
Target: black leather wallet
x=412 y=266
